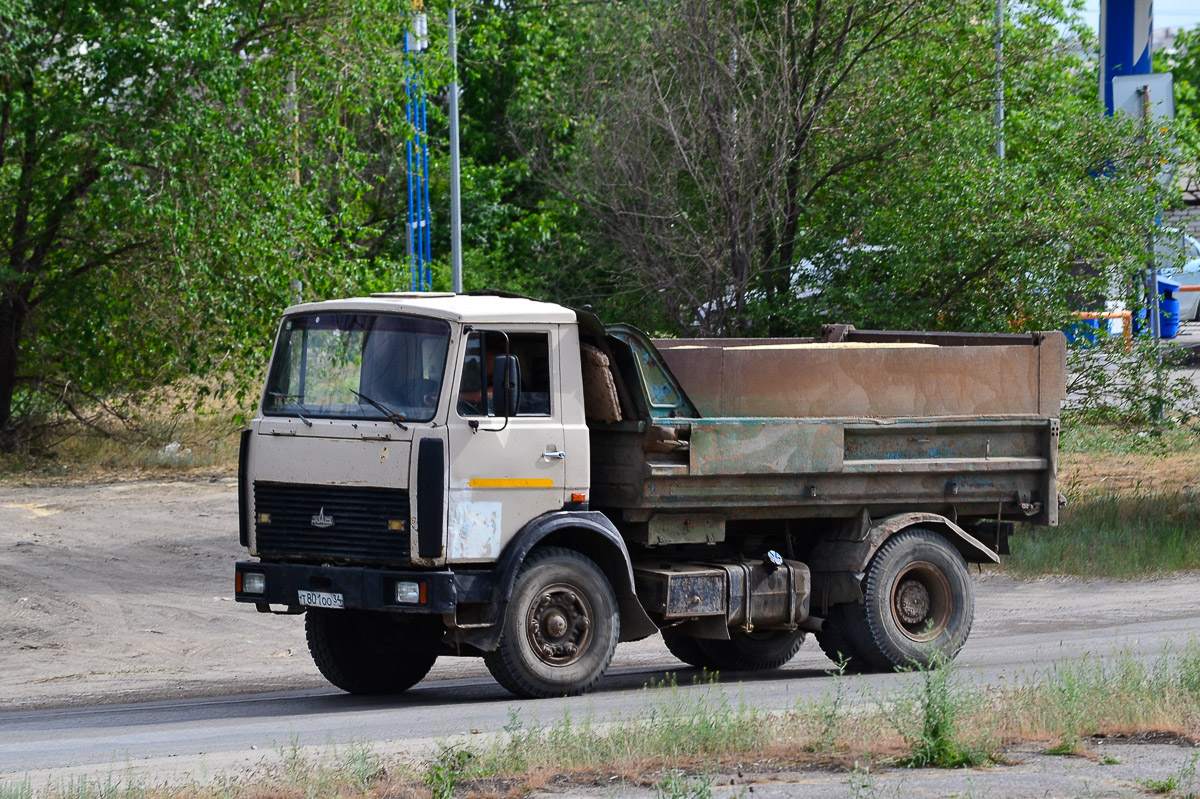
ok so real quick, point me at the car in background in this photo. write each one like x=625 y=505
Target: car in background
x=1188 y=275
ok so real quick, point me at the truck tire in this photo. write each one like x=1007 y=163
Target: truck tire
x=755 y=651
x=560 y=628
x=919 y=603
x=836 y=643
x=363 y=653
x=687 y=649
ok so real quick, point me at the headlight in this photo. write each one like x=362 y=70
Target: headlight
x=408 y=593
x=254 y=583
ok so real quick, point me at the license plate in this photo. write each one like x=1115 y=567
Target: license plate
x=320 y=599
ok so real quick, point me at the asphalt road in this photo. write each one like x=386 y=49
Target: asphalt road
x=180 y=739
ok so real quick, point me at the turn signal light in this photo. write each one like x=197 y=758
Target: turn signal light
x=579 y=497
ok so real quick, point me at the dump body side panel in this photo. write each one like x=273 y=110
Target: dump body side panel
x=812 y=468
x=871 y=378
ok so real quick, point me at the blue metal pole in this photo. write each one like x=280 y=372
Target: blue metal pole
x=417 y=151
x=1125 y=30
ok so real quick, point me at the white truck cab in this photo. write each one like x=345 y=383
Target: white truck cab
x=362 y=392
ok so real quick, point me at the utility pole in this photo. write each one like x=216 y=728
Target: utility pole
x=999 y=118
x=455 y=189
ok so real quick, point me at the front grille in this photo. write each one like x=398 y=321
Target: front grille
x=358 y=532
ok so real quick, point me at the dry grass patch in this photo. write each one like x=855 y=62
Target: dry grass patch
x=153 y=438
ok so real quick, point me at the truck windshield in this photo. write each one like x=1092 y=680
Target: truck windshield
x=358 y=366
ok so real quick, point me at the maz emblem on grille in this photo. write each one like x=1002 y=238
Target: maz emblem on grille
x=321 y=520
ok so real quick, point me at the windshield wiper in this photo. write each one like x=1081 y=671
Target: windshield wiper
x=294 y=399
x=393 y=417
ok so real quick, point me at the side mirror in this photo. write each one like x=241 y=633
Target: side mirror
x=506 y=385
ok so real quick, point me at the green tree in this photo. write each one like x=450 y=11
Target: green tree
x=518 y=233
x=762 y=167
x=167 y=167
x=1183 y=62
x=963 y=240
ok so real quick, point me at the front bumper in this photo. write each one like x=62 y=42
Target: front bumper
x=362 y=588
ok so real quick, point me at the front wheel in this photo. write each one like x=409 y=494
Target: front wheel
x=919 y=603
x=364 y=653
x=560 y=629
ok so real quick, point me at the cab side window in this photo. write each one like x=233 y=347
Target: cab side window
x=532 y=351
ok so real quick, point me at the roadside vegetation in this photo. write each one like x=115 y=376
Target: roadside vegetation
x=1133 y=505
x=158 y=436
x=692 y=734
x=1125 y=534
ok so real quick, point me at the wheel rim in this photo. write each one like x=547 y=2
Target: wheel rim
x=559 y=625
x=921 y=601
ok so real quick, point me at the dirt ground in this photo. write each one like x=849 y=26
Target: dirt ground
x=123 y=591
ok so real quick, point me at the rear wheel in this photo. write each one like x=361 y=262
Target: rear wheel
x=835 y=640
x=365 y=653
x=560 y=629
x=919 y=603
x=687 y=649
x=756 y=651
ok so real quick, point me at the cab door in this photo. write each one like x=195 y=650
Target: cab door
x=504 y=470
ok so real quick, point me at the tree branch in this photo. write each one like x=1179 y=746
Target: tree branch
x=95 y=263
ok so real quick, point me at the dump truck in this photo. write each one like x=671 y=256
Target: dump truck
x=486 y=475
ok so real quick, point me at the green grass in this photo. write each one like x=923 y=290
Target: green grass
x=1115 y=535
x=1182 y=783
x=20 y=790
x=1107 y=440
x=681 y=725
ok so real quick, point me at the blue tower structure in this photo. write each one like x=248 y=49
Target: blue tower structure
x=1125 y=30
x=416 y=41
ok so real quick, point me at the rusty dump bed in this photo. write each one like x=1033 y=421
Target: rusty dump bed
x=961 y=425
x=873 y=374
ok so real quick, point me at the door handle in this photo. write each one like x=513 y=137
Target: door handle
x=559 y=455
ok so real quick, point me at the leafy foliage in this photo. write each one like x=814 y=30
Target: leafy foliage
x=167 y=168
x=765 y=167
x=1183 y=62
x=929 y=717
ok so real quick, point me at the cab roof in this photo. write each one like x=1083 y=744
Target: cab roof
x=465 y=308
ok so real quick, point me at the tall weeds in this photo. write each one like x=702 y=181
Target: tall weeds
x=1123 y=534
